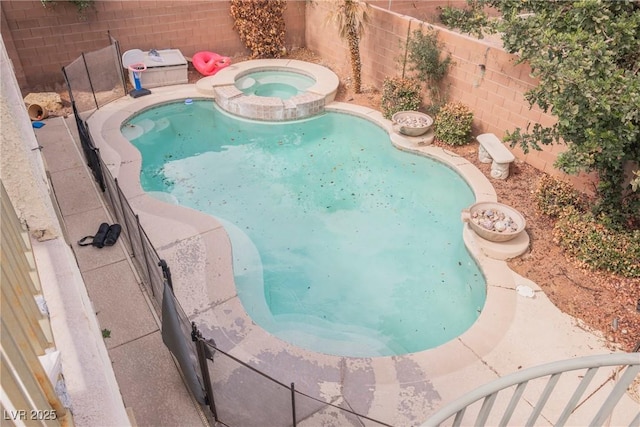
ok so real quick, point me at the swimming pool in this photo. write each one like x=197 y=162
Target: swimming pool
x=341 y=243
x=274 y=83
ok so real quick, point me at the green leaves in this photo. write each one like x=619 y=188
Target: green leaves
x=81 y=5
x=453 y=124
x=595 y=240
x=592 y=241
x=585 y=54
x=425 y=57
x=472 y=20
x=399 y=94
x=351 y=16
x=554 y=196
x=424 y=51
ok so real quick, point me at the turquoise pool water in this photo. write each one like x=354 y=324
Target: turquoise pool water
x=279 y=84
x=342 y=244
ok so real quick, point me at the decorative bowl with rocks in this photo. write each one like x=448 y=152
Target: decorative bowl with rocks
x=494 y=221
x=412 y=123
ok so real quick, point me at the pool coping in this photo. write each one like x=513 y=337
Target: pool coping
x=198 y=250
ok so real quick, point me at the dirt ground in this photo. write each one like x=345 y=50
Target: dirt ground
x=602 y=302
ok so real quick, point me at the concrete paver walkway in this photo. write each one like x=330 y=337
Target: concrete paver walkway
x=150 y=383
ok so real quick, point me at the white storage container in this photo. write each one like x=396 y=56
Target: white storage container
x=168 y=68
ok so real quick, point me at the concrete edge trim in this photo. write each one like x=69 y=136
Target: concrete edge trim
x=495 y=318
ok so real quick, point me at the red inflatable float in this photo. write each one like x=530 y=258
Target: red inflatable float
x=209 y=63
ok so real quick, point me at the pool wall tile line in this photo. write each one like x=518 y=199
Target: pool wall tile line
x=230 y=99
x=402 y=390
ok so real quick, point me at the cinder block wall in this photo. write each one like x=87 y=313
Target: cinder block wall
x=496 y=95
x=46 y=39
x=424 y=10
x=40 y=41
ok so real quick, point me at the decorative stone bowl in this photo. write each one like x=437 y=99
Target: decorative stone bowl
x=494 y=221
x=412 y=123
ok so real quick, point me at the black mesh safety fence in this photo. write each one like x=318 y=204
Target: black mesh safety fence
x=155 y=276
x=241 y=395
x=95 y=78
x=236 y=393
x=78 y=83
x=89 y=150
x=151 y=268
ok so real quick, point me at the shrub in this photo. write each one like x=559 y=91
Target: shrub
x=587 y=238
x=592 y=239
x=552 y=196
x=399 y=94
x=424 y=52
x=453 y=123
x=261 y=26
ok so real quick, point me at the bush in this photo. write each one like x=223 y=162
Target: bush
x=424 y=52
x=399 y=94
x=261 y=26
x=453 y=124
x=591 y=239
x=587 y=238
x=553 y=196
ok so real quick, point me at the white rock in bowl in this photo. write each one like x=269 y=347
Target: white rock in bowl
x=494 y=221
x=412 y=123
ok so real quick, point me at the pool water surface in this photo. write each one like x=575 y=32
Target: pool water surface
x=341 y=243
x=279 y=84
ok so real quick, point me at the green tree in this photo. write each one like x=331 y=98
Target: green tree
x=351 y=16
x=586 y=55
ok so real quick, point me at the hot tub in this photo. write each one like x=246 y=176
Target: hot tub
x=272 y=89
x=277 y=83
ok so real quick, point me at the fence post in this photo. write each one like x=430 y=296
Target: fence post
x=293 y=403
x=144 y=253
x=91 y=153
x=115 y=42
x=109 y=190
x=124 y=216
x=93 y=92
x=66 y=79
x=166 y=273
x=196 y=337
x=97 y=168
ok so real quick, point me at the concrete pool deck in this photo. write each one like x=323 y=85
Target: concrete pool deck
x=511 y=333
